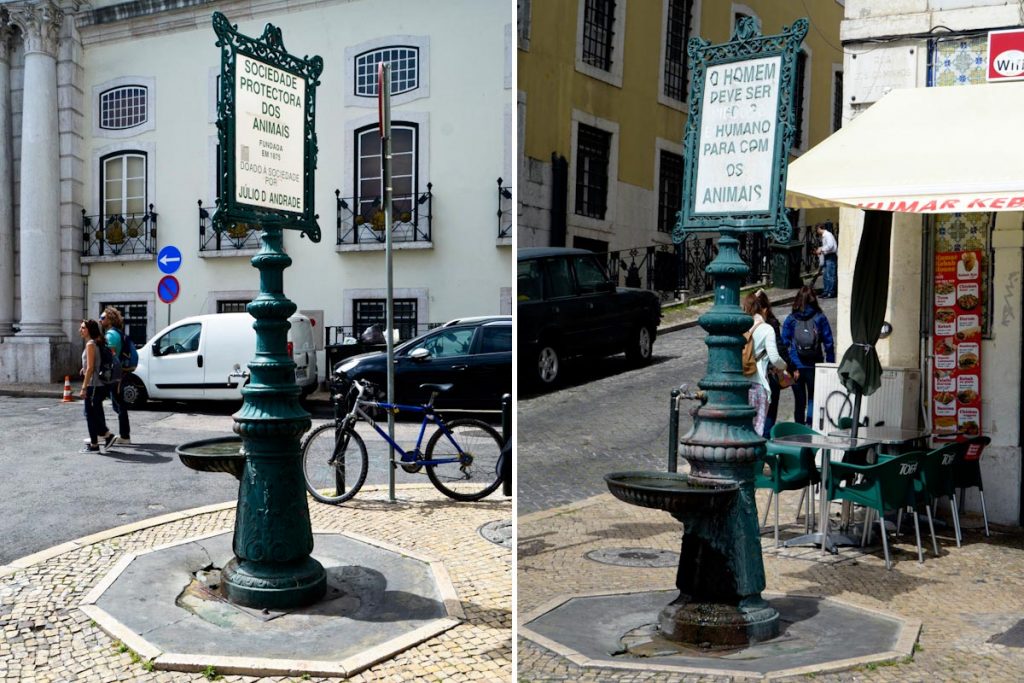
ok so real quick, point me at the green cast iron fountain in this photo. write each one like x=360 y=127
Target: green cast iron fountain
x=721 y=570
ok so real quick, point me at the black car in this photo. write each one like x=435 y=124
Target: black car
x=473 y=354
x=567 y=306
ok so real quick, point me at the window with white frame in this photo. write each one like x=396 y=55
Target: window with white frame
x=123 y=183
x=670 y=190
x=598 y=33
x=678 y=19
x=124 y=107
x=593 y=153
x=404 y=61
x=369 y=172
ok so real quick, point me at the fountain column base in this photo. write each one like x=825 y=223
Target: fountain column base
x=720 y=625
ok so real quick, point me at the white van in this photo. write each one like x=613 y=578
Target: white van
x=205 y=357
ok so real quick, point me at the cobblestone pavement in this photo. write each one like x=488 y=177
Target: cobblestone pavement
x=965 y=598
x=46 y=638
x=569 y=439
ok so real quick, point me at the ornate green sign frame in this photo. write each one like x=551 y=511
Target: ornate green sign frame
x=746 y=49
x=267 y=49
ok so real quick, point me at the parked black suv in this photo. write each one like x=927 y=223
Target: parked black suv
x=567 y=306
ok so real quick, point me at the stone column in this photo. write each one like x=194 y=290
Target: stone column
x=6 y=183
x=41 y=351
x=40 y=173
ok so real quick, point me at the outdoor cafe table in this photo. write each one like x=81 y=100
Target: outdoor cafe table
x=829 y=444
x=895 y=438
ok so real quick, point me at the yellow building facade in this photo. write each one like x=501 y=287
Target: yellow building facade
x=603 y=94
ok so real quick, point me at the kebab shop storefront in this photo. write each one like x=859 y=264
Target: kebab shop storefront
x=949 y=164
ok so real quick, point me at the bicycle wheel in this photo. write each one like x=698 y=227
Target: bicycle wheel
x=328 y=478
x=465 y=481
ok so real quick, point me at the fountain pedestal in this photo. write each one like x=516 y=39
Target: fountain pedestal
x=721 y=571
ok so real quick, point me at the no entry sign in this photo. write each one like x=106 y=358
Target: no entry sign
x=1006 y=55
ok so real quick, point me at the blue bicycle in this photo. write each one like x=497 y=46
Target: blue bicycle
x=460 y=459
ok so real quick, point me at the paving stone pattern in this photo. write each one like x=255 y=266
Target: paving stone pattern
x=964 y=597
x=45 y=638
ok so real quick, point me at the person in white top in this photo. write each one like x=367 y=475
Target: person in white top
x=766 y=351
x=828 y=252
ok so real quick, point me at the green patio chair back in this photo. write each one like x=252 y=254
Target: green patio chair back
x=791 y=467
x=886 y=485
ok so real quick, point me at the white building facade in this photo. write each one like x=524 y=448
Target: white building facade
x=929 y=44
x=108 y=154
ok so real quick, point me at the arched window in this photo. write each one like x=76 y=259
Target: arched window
x=123 y=107
x=123 y=185
x=405 y=69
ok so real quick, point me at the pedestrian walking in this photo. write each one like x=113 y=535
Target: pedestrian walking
x=765 y=353
x=828 y=253
x=113 y=326
x=808 y=338
x=777 y=379
x=93 y=389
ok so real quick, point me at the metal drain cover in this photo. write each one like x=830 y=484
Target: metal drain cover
x=498 y=532
x=635 y=557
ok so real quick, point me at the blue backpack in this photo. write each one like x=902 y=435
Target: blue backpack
x=129 y=356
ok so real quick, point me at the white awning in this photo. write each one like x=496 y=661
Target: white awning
x=925 y=150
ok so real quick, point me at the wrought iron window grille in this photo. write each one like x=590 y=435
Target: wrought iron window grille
x=592 y=158
x=119 y=234
x=411 y=218
x=504 y=210
x=677 y=32
x=598 y=22
x=241 y=236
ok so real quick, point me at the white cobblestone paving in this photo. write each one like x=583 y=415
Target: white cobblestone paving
x=46 y=638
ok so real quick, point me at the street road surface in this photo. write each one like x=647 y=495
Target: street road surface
x=51 y=493
x=611 y=418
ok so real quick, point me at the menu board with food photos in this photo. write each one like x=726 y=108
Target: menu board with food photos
x=956 y=345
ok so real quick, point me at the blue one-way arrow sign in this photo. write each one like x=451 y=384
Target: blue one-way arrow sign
x=169 y=259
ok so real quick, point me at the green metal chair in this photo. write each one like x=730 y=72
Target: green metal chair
x=791 y=468
x=938 y=480
x=882 y=487
x=967 y=472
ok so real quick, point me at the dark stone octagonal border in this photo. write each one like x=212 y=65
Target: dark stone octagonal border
x=398 y=600
x=819 y=635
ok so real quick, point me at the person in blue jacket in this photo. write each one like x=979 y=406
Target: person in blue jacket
x=808 y=338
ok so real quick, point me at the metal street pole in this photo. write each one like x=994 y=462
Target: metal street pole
x=384 y=100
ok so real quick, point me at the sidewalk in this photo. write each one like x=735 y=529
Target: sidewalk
x=970 y=600
x=675 y=316
x=46 y=637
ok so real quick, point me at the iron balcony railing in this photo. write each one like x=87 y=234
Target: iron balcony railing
x=361 y=219
x=504 y=210
x=237 y=237
x=673 y=268
x=119 y=234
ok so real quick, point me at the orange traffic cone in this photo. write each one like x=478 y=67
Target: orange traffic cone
x=67 y=390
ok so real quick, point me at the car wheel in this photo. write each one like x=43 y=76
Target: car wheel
x=133 y=393
x=548 y=365
x=641 y=345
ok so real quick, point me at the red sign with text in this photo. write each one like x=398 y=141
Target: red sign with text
x=956 y=345
x=1006 y=55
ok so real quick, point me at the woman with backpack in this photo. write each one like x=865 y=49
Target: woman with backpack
x=808 y=338
x=122 y=348
x=777 y=379
x=94 y=390
x=764 y=351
